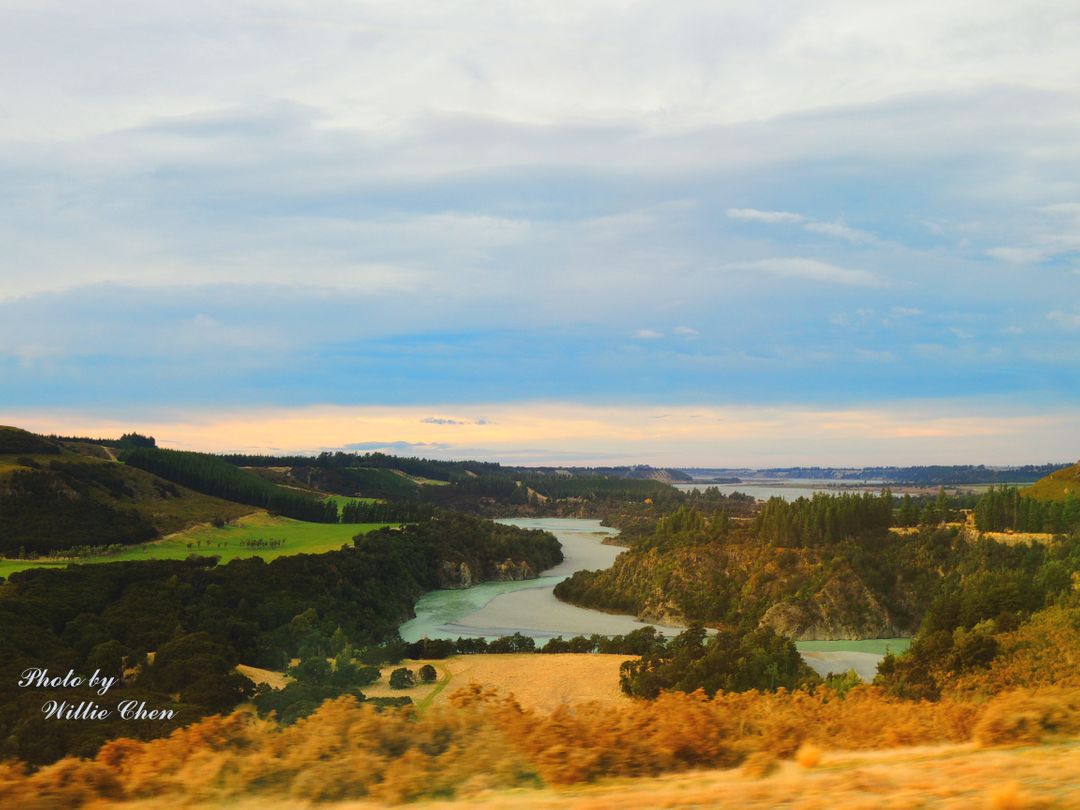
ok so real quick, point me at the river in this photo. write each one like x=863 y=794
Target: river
x=529 y=607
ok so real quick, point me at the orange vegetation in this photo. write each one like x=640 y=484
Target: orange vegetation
x=482 y=741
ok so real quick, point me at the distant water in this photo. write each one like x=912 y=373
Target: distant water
x=789 y=489
x=496 y=609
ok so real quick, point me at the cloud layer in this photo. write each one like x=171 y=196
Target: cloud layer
x=836 y=204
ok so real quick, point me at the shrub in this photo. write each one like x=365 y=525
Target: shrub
x=402 y=678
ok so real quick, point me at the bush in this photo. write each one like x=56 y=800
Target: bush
x=402 y=678
x=428 y=673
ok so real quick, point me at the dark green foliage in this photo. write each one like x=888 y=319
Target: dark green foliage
x=314 y=681
x=208 y=474
x=516 y=643
x=68 y=503
x=597 y=487
x=385 y=512
x=992 y=589
x=481 y=544
x=729 y=661
x=1005 y=509
x=428 y=673
x=15 y=440
x=402 y=678
x=823 y=519
x=202 y=619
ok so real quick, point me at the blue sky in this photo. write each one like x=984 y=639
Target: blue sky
x=462 y=208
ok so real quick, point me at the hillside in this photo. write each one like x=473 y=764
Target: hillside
x=1057 y=485
x=55 y=495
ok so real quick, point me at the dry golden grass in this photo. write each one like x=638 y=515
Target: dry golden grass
x=276 y=680
x=536 y=681
x=956 y=777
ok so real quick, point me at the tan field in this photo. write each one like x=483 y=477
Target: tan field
x=536 y=680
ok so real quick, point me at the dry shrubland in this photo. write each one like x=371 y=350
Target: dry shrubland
x=481 y=740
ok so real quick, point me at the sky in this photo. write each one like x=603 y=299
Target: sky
x=679 y=233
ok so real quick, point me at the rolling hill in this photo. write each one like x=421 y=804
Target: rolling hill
x=1057 y=485
x=56 y=495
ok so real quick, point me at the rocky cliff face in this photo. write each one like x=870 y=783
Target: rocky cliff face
x=465 y=574
x=840 y=610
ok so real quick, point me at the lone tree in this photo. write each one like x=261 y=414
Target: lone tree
x=428 y=673
x=402 y=678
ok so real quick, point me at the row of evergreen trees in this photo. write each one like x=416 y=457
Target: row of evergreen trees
x=385 y=512
x=824 y=519
x=1005 y=508
x=212 y=476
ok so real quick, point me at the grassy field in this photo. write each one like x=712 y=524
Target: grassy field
x=1057 y=485
x=341 y=500
x=537 y=681
x=228 y=542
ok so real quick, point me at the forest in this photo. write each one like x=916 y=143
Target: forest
x=202 y=619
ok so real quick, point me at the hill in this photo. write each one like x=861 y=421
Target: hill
x=56 y=495
x=1057 y=485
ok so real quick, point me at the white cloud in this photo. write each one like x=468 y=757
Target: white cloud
x=648 y=334
x=905 y=312
x=1069 y=320
x=754 y=215
x=1017 y=255
x=686 y=331
x=841 y=231
x=812 y=270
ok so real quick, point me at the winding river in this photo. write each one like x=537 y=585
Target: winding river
x=529 y=607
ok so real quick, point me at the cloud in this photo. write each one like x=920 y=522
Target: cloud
x=905 y=312
x=686 y=331
x=648 y=334
x=838 y=229
x=394 y=446
x=439 y=420
x=901 y=432
x=1017 y=255
x=841 y=231
x=1068 y=320
x=754 y=215
x=812 y=270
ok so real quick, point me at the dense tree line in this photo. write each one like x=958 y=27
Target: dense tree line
x=1005 y=509
x=636 y=642
x=125 y=441
x=385 y=512
x=929 y=475
x=596 y=487
x=212 y=476
x=729 y=661
x=420 y=467
x=823 y=519
x=202 y=619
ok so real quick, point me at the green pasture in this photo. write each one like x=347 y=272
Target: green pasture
x=233 y=541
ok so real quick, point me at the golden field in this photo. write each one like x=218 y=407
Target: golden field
x=536 y=681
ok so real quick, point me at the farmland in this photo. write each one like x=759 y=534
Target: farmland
x=256 y=535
